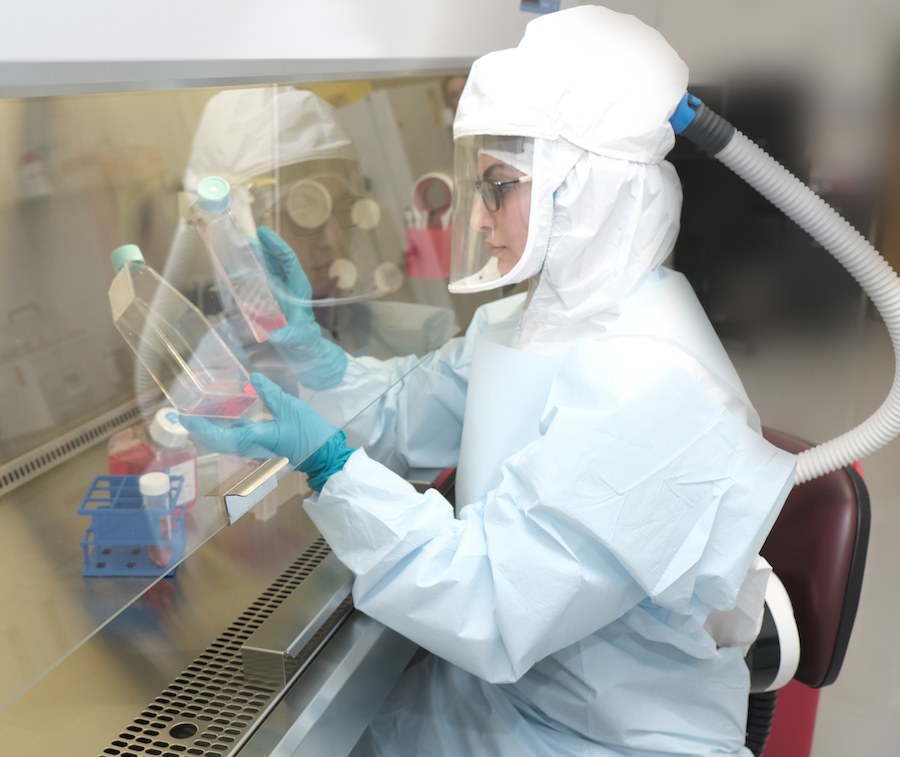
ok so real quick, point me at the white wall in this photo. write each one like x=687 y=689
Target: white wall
x=847 y=52
x=830 y=37
x=92 y=30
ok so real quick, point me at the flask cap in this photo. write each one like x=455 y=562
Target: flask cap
x=127 y=253
x=214 y=194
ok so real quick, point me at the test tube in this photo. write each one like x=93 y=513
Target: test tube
x=155 y=490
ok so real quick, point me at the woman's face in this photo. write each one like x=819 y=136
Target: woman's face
x=506 y=229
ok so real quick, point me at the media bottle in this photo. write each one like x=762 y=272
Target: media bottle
x=164 y=446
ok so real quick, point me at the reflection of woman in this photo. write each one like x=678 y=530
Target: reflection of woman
x=314 y=216
x=286 y=152
x=317 y=251
x=287 y=149
x=613 y=488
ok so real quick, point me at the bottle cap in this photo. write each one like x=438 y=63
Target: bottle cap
x=213 y=194
x=167 y=430
x=127 y=253
x=154 y=484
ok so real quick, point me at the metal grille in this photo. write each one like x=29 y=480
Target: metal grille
x=209 y=710
x=27 y=467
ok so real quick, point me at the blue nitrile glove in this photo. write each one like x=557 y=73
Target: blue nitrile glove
x=318 y=363
x=296 y=432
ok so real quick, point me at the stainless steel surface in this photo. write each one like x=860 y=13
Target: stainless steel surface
x=86 y=77
x=211 y=707
x=269 y=653
x=97 y=690
x=245 y=494
x=111 y=646
x=49 y=608
x=329 y=707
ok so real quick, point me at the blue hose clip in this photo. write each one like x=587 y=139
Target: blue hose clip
x=684 y=113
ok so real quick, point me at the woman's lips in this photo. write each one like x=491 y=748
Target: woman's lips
x=497 y=251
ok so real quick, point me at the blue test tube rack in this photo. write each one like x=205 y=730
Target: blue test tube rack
x=122 y=530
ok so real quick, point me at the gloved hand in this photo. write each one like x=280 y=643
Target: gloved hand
x=318 y=363
x=296 y=432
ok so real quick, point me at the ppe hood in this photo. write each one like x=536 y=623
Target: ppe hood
x=595 y=90
x=248 y=132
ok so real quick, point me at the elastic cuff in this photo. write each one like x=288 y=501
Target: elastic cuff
x=329 y=459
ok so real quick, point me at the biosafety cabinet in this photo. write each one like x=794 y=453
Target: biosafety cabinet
x=224 y=625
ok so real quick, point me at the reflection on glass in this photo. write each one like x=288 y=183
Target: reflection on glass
x=231 y=245
x=176 y=345
x=290 y=154
x=87 y=174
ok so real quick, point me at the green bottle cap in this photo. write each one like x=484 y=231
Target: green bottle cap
x=127 y=253
x=213 y=194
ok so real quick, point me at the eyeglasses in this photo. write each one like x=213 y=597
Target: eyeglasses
x=492 y=191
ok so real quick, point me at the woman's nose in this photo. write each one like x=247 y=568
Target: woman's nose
x=481 y=219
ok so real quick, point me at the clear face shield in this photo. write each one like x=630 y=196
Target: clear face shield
x=491 y=208
x=321 y=210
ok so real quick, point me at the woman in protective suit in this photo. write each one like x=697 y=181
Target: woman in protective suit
x=613 y=488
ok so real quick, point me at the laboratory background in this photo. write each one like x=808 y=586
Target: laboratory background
x=105 y=110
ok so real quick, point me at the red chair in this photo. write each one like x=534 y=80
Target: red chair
x=817 y=548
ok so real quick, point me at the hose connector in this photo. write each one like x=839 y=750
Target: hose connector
x=694 y=120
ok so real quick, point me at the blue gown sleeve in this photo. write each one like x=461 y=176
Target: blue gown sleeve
x=407 y=412
x=641 y=486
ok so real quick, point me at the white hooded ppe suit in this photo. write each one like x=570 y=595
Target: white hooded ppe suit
x=613 y=487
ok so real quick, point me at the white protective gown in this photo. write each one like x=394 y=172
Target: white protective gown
x=613 y=486
x=580 y=577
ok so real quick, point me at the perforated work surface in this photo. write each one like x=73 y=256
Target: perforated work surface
x=209 y=709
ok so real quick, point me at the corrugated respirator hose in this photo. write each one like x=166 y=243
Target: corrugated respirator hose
x=798 y=202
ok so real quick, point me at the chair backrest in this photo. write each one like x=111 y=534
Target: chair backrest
x=817 y=547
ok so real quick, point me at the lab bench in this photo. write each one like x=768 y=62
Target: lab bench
x=135 y=666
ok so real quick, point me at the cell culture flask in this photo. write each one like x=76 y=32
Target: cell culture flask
x=179 y=348
x=215 y=215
